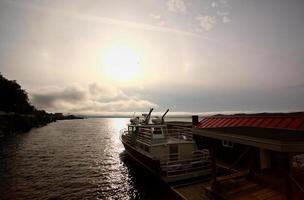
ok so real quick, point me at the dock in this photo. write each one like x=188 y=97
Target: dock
x=241 y=189
x=192 y=191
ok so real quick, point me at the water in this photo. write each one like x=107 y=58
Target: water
x=77 y=159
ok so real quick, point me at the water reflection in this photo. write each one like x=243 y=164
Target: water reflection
x=79 y=159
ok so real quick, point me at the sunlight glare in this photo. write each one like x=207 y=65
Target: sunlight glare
x=121 y=63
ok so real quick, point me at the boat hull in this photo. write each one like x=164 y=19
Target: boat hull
x=145 y=161
x=153 y=165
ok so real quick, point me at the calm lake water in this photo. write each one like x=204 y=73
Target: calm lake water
x=76 y=159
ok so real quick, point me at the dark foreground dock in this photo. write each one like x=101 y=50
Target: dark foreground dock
x=192 y=191
x=232 y=190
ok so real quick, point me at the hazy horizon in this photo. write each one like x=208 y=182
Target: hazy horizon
x=191 y=56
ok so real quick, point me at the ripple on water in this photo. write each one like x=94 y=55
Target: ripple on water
x=77 y=159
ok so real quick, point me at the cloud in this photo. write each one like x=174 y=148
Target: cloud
x=91 y=99
x=105 y=94
x=177 y=6
x=158 y=18
x=174 y=5
x=222 y=13
x=214 y=4
x=128 y=105
x=155 y=16
x=224 y=2
x=226 y=19
x=69 y=94
x=161 y=23
x=219 y=3
x=206 y=22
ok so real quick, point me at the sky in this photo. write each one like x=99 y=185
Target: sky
x=191 y=56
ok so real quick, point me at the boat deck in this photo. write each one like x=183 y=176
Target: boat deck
x=174 y=140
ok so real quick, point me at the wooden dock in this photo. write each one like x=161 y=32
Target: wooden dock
x=193 y=191
x=247 y=190
x=241 y=189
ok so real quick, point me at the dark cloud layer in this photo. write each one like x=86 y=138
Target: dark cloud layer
x=70 y=95
x=90 y=99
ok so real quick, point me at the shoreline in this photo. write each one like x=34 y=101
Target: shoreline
x=14 y=123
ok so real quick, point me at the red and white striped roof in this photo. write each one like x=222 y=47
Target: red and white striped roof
x=286 y=122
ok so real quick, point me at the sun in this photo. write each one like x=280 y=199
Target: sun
x=121 y=63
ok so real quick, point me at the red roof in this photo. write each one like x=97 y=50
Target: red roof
x=285 y=122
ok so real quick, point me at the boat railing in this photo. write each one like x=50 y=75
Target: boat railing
x=146 y=133
x=198 y=154
x=200 y=161
x=142 y=136
x=180 y=133
x=124 y=136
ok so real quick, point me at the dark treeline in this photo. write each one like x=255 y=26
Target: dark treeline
x=16 y=112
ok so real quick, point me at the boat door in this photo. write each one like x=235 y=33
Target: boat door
x=173 y=152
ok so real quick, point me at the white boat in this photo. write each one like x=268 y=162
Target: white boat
x=165 y=149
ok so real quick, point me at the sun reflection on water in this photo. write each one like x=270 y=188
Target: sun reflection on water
x=77 y=159
x=118 y=123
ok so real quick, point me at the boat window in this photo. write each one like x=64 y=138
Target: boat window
x=147 y=149
x=157 y=131
x=131 y=129
x=136 y=129
x=173 y=148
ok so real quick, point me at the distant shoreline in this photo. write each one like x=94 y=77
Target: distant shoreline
x=13 y=123
x=109 y=116
x=201 y=115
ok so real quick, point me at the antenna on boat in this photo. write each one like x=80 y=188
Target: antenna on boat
x=162 y=118
x=148 y=116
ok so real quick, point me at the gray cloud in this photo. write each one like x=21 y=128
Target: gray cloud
x=206 y=22
x=49 y=99
x=226 y=19
x=177 y=6
x=91 y=99
x=214 y=4
x=155 y=16
x=158 y=19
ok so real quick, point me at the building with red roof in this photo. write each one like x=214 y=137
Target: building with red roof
x=269 y=146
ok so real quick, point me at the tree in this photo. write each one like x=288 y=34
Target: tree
x=13 y=98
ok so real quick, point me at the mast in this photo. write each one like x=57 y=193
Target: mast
x=162 y=118
x=146 y=121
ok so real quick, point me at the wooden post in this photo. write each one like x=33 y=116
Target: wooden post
x=284 y=169
x=265 y=159
x=214 y=183
x=285 y=162
x=252 y=169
